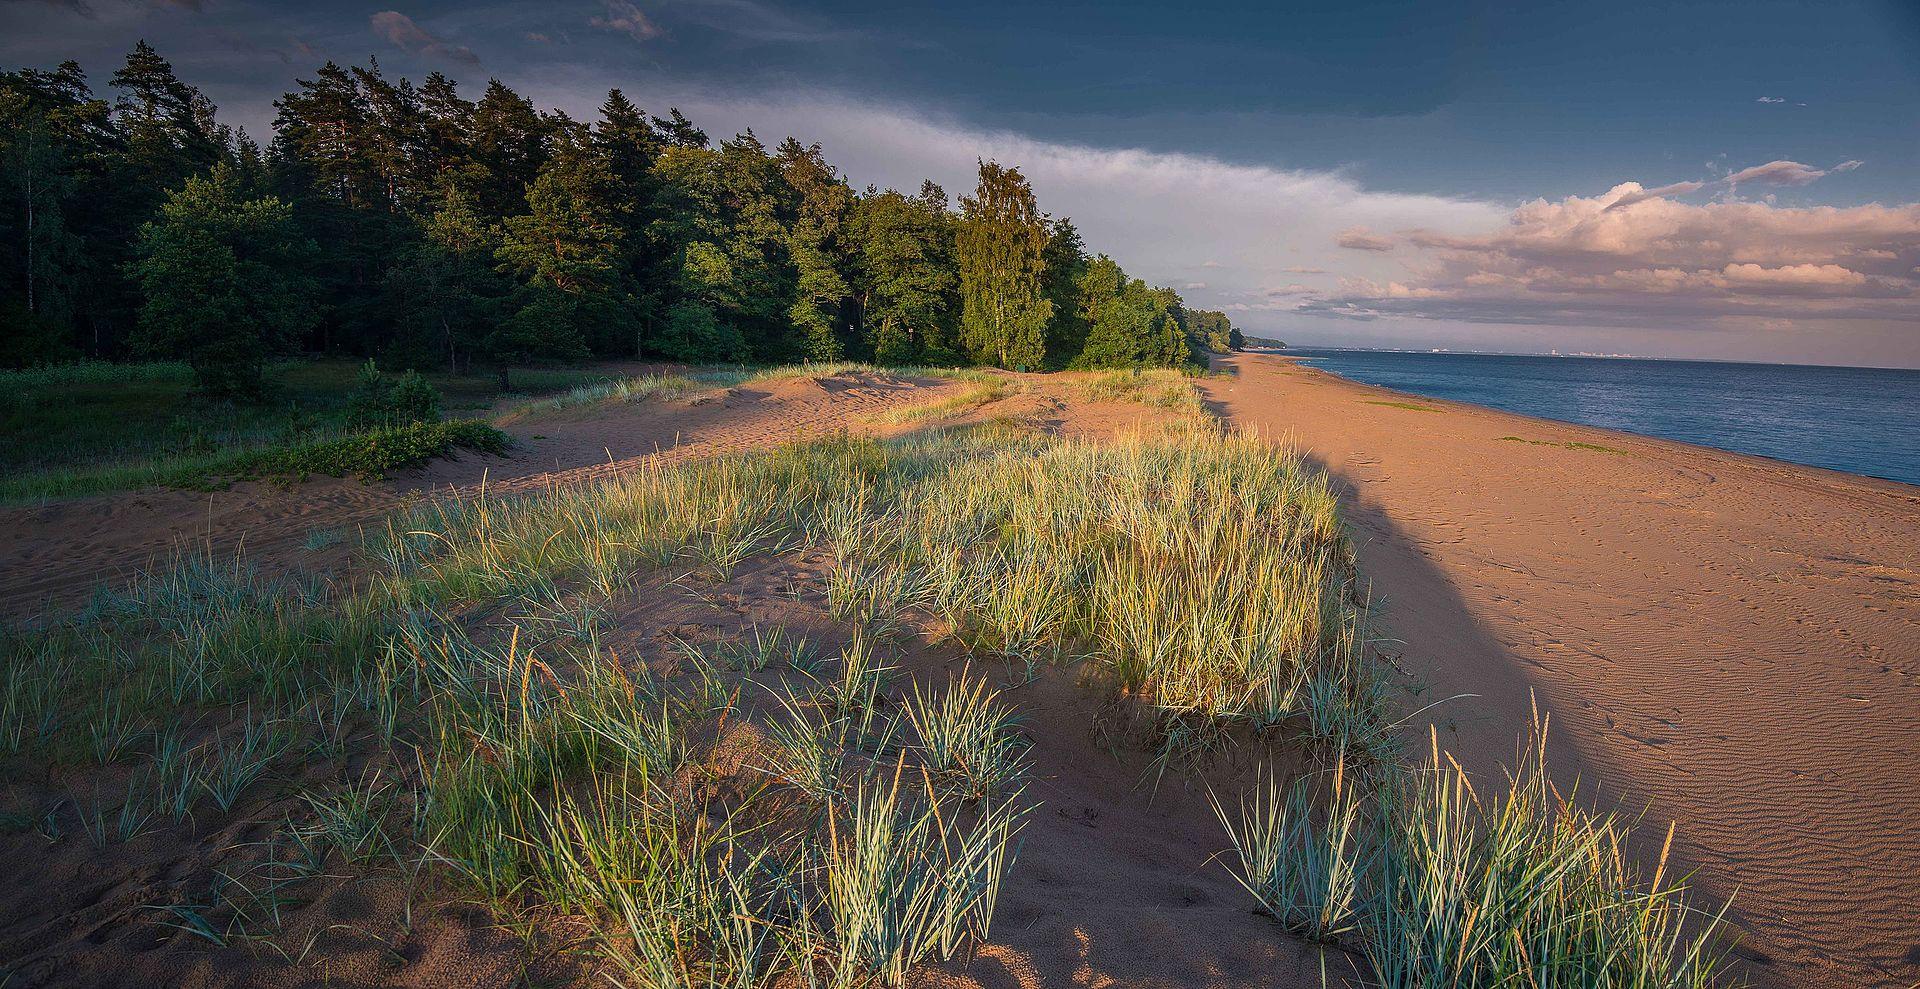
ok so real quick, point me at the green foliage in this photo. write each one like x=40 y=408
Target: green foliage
x=486 y=231
x=907 y=274
x=692 y=333
x=570 y=236
x=543 y=325
x=1213 y=330
x=375 y=454
x=1001 y=252
x=87 y=428
x=1130 y=324
x=224 y=283
x=380 y=401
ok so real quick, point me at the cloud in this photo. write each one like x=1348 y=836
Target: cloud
x=1362 y=239
x=1770 y=99
x=538 y=38
x=1786 y=173
x=625 y=18
x=400 y=31
x=1168 y=217
x=1299 y=269
x=1671 y=189
x=1193 y=286
x=1657 y=263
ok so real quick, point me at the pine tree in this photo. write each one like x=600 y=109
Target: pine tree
x=570 y=235
x=322 y=125
x=167 y=124
x=445 y=288
x=449 y=127
x=1000 y=249
x=507 y=141
x=678 y=131
x=567 y=248
x=1066 y=261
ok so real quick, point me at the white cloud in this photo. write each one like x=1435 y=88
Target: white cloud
x=1786 y=173
x=625 y=18
x=400 y=31
x=1770 y=99
x=1632 y=258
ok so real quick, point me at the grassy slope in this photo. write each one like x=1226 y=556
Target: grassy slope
x=95 y=428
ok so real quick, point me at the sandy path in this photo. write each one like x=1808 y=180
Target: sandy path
x=1731 y=642
x=53 y=555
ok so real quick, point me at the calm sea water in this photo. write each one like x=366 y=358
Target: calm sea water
x=1862 y=420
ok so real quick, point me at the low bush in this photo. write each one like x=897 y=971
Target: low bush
x=379 y=401
x=374 y=454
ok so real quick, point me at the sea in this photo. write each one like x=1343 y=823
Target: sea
x=1859 y=420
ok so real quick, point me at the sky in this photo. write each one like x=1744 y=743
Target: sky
x=1725 y=180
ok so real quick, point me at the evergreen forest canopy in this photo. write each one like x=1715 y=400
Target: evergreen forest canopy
x=409 y=223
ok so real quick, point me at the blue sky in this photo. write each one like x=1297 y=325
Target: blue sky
x=1516 y=177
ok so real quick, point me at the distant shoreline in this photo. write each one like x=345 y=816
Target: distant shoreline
x=1307 y=362
x=1584 y=357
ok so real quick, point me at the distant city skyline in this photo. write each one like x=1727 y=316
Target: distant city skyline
x=1697 y=180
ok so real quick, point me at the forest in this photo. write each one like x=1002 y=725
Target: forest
x=410 y=224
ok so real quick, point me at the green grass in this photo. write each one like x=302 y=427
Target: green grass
x=1570 y=445
x=1438 y=883
x=1158 y=387
x=92 y=428
x=369 y=455
x=1409 y=406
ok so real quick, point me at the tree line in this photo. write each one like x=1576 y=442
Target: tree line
x=410 y=223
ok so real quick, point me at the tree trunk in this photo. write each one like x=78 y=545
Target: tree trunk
x=506 y=384
x=30 y=259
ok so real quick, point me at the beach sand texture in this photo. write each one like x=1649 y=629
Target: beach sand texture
x=1727 y=642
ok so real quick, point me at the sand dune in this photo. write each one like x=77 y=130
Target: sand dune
x=1729 y=642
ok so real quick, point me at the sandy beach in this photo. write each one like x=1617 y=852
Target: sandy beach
x=1723 y=641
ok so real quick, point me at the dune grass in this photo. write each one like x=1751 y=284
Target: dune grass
x=1436 y=883
x=980 y=388
x=1158 y=387
x=629 y=389
x=1206 y=574
x=1203 y=576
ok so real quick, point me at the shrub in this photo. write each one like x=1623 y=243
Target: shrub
x=379 y=401
x=374 y=454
